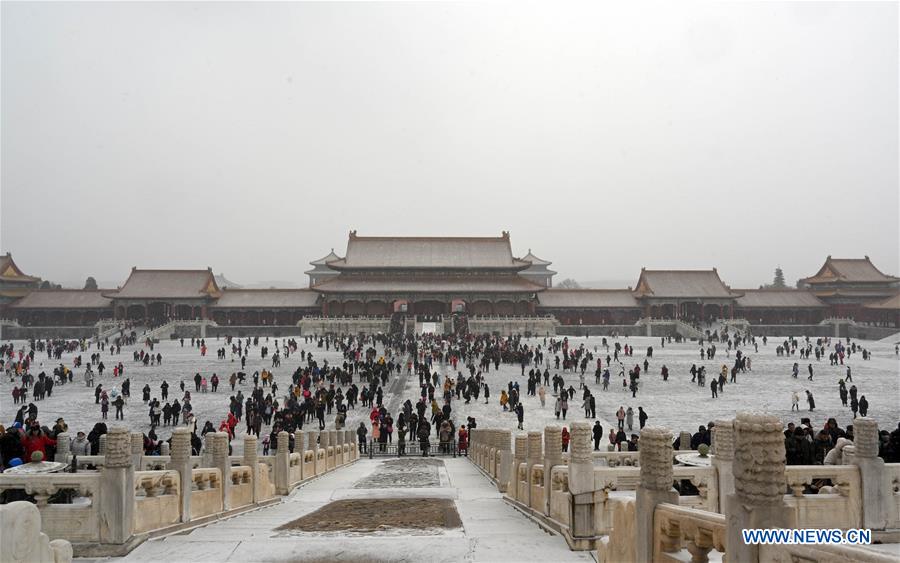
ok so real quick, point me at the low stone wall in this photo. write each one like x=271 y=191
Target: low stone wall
x=865 y=332
x=536 y=326
x=604 y=330
x=244 y=331
x=813 y=331
x=343 y=325
x=44 y=332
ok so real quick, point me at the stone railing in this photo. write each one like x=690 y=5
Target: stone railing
x=105 y=509
x=206 y=493
x=76 y=518
x=678 y=529
x=838 y=505
x=21 y=539
x=241 y=486
x=587 y=496
x=157 y=500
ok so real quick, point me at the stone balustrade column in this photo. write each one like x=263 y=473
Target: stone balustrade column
x=222 y=462
x=684 y=440
x=251 y=459
x=137 y=449
x=180 y=461
x=657 y=477
x=63 y=445
x=101 y=447
x=535 y=455
x=300 y=447
x=759 y=482
x=552 y=458
x=332 y=441
x=874 y=480
x=164 y=448
x=504 y=446
x=117 y=489
x=581 y=479
x=521 y=452
x=282 y=464
x=723 y=459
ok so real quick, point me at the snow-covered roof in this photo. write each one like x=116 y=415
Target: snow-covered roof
x=168 y=284
x=428 y=253
x=848 y=270
x=777 y=298
x=682 y=283
x=586 y=298
x=891 y=303
x=266 y=298
x=534 y=259
x=64 y=299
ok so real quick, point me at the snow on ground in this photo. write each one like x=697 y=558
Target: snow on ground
x=677 y=403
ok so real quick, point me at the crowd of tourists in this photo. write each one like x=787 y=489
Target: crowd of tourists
x=448 y=369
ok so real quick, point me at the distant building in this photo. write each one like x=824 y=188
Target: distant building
x=847 y=284
x=156 y=296
x=428 y=276
x=14 y=283
x=321 y=271
x=539 y=272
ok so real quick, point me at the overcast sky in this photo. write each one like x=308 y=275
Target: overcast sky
x=253 y=137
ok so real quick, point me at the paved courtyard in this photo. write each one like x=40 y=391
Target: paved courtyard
x=676 y=403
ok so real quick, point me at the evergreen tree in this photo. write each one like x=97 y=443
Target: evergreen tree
x=90 y=283
x=778 y=282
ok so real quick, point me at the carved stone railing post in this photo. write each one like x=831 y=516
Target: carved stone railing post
x=684 y=440
x=62 y=448
x=251 y=459
x=552 y=458
x=873 y=479
x=117 y=494
x=282 y=464
x=101 y=445
x=723 y=460
x=535 y=453
x=581 y=480
x=521 y=452
x=314 y=442
x=180 y=461
x=300 y=447
x=164 y=448
x=137 y=449
x=223 y=463
x=759 y=482
x=504 y=446
x=656 y=459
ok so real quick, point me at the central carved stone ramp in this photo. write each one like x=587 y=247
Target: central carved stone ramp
x=462 y=518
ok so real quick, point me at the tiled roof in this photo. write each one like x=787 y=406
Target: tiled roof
x=64 y=299
x=775 y=298
x=437 y=284
x=892 y=303
x=849 y=270
x=534 y=259
x=9 y=272
x=331 y=257
x=168 y=284
x=586 y=298
x=682 y=283
x=428 y=253
x=266 y=298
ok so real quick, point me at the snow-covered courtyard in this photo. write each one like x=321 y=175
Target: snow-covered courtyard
x=676 y=403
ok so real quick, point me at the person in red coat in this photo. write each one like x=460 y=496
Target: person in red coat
x=36 y=441
x=463 y=440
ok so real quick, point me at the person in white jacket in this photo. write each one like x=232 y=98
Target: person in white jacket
x=80 y=445
x=835 y=455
